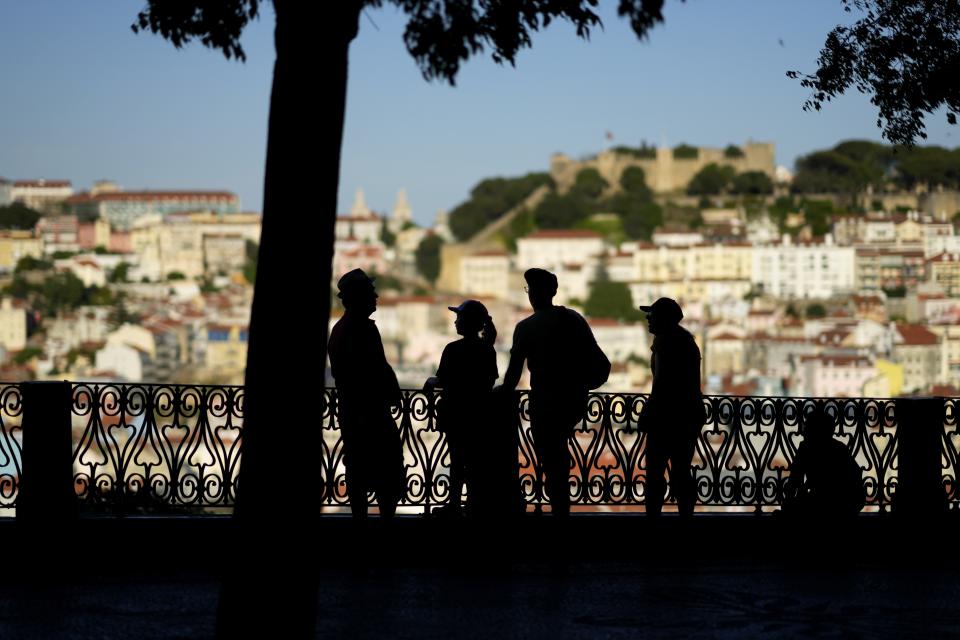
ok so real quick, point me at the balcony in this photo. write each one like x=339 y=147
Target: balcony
x=172 y=453
x=176 y=449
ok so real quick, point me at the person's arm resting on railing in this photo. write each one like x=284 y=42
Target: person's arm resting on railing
x=518 y=356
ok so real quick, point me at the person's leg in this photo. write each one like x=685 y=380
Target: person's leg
x=355 y=473
x=357 y=492
x=457 y=468
x=557 y=468
x=656 y=459
x=681 y=480
x=554 y=458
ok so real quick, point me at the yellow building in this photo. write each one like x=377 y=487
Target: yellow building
x=18 y=244
x=226 y=349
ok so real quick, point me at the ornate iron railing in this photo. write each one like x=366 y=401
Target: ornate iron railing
x=163 y=447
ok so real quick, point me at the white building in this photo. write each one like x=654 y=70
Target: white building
x=13 y=326
x=804 y=270
x=362 y=224
x=42 y=195
x=833 y=376
x=485 y=273
x=549 y=249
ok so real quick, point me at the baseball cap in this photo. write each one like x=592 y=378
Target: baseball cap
x=666 y=309
x=470 y=309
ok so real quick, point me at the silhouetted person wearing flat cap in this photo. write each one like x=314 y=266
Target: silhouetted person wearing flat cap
x=673 y=415
x=367 y=388
x=556 y=343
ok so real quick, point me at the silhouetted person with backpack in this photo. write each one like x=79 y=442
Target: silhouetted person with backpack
x=467 y=373
x=367 y=388
x=565 y=363
x=673 y=415
x=825 y=480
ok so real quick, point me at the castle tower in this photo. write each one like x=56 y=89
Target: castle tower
x=402 y=214
x=359 y=208
x=441 y=226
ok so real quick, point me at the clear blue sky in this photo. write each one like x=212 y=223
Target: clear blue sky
x=84 y=98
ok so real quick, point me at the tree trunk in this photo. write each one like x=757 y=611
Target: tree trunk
x=278 y=500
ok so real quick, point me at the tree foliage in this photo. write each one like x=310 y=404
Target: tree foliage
x=490 y=199
x=611 y=300
x=428 y=257
x=853 y=165
x=633 y=180
x=643 y=152
x=685 y=152
x=589 y=184
x=18 y=216
x=712 y=180
x=557 y=211
x=733 y=151
x=752 y=183
x=906 y=55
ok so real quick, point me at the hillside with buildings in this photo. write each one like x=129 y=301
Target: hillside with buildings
x=841 y=278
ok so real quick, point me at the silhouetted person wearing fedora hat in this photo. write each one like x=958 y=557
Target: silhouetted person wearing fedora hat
x=467 y=373
x=674 y=413
x=367 y=388
x=559 y=349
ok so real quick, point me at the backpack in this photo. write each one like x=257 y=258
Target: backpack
x=592 y=363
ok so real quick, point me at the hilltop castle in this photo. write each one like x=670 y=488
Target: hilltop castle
x=667 y=170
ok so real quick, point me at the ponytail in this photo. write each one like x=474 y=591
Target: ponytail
x=489 y=332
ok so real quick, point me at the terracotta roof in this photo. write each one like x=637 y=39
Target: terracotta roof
x=945 y=257
x=554 y=234
x=120 y=196
x=916 y=335
x=42 y=183
x=489 y=253
x=725 y=336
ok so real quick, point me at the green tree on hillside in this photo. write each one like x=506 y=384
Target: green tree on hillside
x=428 y=257
x=589 y=184
x=752 y=183
x=560 y=212
x=633 y=180
x=712 y=180
x=490 y=199
x=18 y=216
x=611 y=300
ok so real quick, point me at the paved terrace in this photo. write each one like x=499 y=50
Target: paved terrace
x=600 y=577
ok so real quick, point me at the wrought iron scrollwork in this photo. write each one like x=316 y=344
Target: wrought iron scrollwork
x=178 y=447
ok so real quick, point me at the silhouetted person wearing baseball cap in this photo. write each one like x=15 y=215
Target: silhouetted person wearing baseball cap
x=824 y=479
x=556 y=343
x=367 y=388
x=673 y=415
x=467 y=373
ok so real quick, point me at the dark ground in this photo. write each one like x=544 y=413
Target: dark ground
x=733 y=578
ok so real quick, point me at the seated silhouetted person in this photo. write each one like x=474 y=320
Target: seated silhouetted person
x=673 y=415
x=552 y=341
x=367 y=388
x=824 y=479
x=467 y=372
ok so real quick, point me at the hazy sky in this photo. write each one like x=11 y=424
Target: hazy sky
x=84 y=98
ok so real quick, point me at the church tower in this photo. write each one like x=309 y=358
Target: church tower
x=402 y=214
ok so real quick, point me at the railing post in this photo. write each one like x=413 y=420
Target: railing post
x=920 y=436
x=46 y=483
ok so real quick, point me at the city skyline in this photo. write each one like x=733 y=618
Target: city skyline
x=96 y=101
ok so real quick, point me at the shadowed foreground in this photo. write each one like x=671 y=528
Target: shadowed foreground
x=738 y=578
